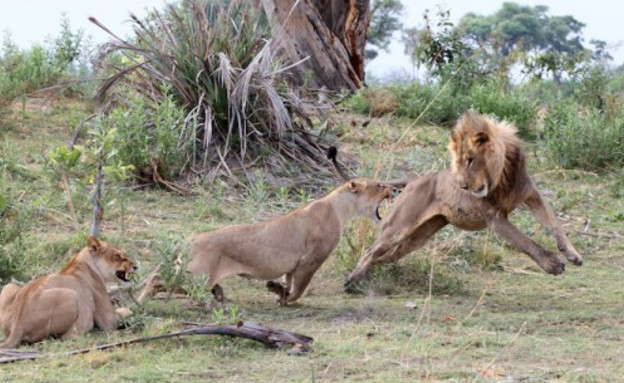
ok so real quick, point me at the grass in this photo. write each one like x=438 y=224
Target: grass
x=501 y=320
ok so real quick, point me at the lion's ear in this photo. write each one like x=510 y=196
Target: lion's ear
x=355 y=186
x=480 y=139
x=93 y=244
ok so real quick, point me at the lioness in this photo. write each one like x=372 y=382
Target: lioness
x=69 y=303
x=294 y=245
x=487 y=180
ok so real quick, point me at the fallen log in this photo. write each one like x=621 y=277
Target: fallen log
x=272 y=338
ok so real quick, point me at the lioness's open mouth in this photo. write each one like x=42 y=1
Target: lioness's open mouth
x=377 y=215
x=124 y=276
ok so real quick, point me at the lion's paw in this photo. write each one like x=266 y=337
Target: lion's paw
x=551 y=264
x=123 y=312
x=574 y=257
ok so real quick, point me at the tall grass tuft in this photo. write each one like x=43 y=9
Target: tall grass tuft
x=215 y=60
x=588 y=139
x=15 y=218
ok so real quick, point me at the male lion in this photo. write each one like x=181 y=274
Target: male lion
x=69 y=303
x=487 y=180
x=294 y=245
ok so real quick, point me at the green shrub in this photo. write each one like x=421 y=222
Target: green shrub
x=42 y=65
x=153 y=134
x=589 y=140
x=174 y=252
x=215 y=60
x=441 y=105
x=374 y=101
x=512 y=106
x=437 y=104
x=14 y=219
x=592 y=88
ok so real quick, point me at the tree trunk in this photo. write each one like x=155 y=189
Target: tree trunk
x=331 y=34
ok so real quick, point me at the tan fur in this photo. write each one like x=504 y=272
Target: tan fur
x=68 y=303
x=294 y=245
x=488 y=179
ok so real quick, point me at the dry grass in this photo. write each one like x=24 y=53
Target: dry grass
x=508 y=323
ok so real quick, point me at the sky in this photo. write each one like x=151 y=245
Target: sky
x=31 y=21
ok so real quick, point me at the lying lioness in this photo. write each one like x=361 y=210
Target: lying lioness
x=69 y=303
x=488 y=179
x=293 y=246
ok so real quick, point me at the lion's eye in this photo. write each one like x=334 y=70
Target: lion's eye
x=468 y=162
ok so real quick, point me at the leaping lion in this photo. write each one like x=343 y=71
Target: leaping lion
x=68 y=303
x=488 y=179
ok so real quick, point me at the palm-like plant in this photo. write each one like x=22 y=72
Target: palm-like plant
x=216 y=59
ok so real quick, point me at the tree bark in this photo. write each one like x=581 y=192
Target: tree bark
x=331 y=34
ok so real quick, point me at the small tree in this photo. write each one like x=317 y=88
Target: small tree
x=384 y=22
x=549 y=44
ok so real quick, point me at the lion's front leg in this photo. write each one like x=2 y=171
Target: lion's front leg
x=547 y=218
x=547 y=260
x=280 y=289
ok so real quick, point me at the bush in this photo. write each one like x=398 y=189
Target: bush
x=512 y=106
x=214 y=60
x=14 y=219
x=153 y=134
x=590 y=139
x=438 y=105
x=374 y=101
x=42 y=65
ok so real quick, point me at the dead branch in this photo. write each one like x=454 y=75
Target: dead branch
x=272 y=338
x=98 y=214
x=68 y=194
x=79 y=130
x=612 y=235
x=158 y=180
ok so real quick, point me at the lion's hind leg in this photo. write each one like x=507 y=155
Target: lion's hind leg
x=6 y=299
x=53 y=312
x=7 y=295
x=221 y=269
x=392 y=246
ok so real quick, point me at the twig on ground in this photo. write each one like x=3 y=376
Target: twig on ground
x=494 y=359
x=612 y=235
x=564 y=171
x=479 y=301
